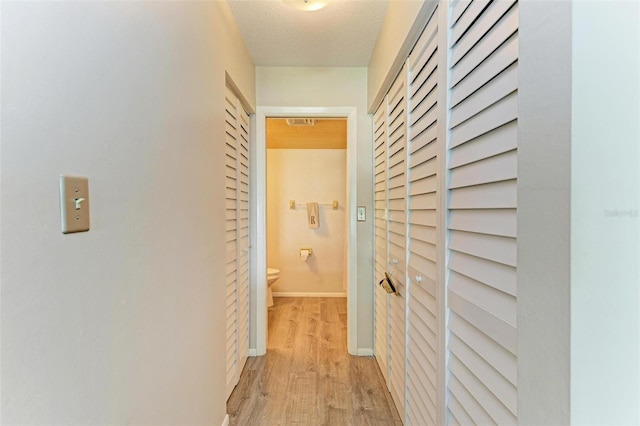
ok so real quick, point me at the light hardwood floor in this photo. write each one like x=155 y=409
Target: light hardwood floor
x=307 y=376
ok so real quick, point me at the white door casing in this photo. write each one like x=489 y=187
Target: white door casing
x=259 y=249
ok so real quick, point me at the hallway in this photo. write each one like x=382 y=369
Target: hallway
x=307 y=376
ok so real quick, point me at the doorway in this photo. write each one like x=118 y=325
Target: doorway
x=259 y=235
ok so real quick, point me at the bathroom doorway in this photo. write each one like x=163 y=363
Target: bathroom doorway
x=306 y=214
x=346 y=209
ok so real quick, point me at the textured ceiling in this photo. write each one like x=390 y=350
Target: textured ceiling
x=340 y=35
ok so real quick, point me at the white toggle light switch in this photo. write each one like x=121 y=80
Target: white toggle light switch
x=362 y=214
x=74 y=204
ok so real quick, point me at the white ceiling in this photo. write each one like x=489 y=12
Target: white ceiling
x=340 y=35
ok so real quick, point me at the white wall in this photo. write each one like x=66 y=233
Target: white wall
x=306 y=175
x=605 y=218
x=120 y=325
x=401 y=27
x=276 y=86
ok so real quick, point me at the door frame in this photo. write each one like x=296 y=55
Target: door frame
x=259 y=309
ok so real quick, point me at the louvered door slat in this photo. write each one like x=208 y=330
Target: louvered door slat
x=501 y=277
x=498 y=141
x=495 y=63
x=457 y=10
x=496 y=412
x=483 y=156
x=499 y=386
x=475 y=9
x=501 y=222
x=502 y=112
x=497 y=356
x=493 y=13
x=502 y=85
x=488 y=44
x=494 y=169
x=458 y=415
x=495 y=195
x=475 y=414
x=489 y=247
x=496 y=303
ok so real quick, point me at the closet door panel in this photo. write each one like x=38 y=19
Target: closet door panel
x=423 y=205
x=231 y=172
x=381 y=306
x=482 y=250
x=237 y=238
x=243 y=238
x=396 y=205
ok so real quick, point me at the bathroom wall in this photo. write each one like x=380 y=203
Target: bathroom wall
x=306 y=175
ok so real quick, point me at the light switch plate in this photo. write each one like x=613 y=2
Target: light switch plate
x=362 y=213
x=74 y=204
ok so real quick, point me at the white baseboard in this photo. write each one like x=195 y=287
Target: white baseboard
x=253 y=352
x=365 y=352
x=303 y=294
x=226 y=420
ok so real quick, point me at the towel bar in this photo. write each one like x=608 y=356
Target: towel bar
x=292 y=204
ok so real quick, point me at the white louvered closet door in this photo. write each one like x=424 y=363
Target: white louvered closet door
x=423 y=148
x=243 y=237
x=381 y=296
x=231 y=171
x=482 y=149
x=396 y=207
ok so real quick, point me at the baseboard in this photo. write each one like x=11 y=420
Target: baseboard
x=303 y=294
x=226 y=420
x=365 y=352
x=253 y=352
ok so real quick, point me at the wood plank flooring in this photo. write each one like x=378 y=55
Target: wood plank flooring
x=307 y=377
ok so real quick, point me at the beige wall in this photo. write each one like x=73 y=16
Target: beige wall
x=235 y=56
x=306 y=175
x=119 y=325
x=401 y=27
x=333 y=87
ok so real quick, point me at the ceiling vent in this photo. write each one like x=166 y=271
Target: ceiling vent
x=301 y=121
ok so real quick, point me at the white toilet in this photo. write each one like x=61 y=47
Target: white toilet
x=272 y=276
